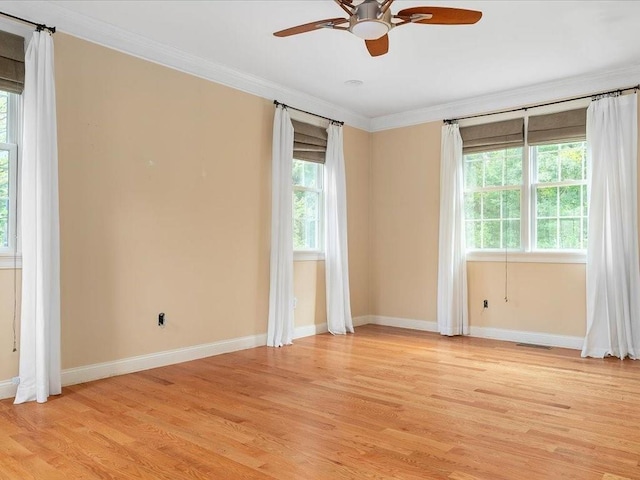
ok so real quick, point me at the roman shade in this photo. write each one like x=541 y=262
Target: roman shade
x=309 y=142
x=493 y=136
x=11 y=62
x=554 y=127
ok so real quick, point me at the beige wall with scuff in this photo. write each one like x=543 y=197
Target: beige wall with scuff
x=165 y=194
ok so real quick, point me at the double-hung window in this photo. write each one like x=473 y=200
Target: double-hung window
x=8 y=172
x=525 y=185
x=309 y=151
x=307 y=206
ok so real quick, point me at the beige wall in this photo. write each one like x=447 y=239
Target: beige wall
x=8 y=358
x=405 y=186
x=543 y=297
x=165 y=207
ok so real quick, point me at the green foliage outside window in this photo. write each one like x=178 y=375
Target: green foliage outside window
x=307 y=190
x=492 y=199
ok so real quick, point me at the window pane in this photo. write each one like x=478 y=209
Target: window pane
x=306 y=174
x=472 y=172
x=511 y=204
x=493 y=169
x=4 y=198
x=570 y=203
x=585 y=201
x=491 y=205
x=572 y=160
x=547 y=202
x=4 y=109
x=306 y=219
x=570 y=233
x=473 y=232
x=473 y=205
x=511 y=233
x=491 y=234
x=546 y=163
x=547 y=233
x=513 y=167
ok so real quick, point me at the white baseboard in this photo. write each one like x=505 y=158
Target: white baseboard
x=518 y=336
x=361 y=320
x=73 y=376
x=7 y=389
x=424 y=325
x=309 y=330
x=536 y=338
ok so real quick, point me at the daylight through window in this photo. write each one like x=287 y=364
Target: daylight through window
x=8 y=167
x=307 y=205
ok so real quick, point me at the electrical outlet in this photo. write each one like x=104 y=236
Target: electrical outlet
x=15 y=381
x=485 y=304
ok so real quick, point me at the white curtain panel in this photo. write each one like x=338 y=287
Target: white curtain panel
x=280 y=326
x=452 y=308
x=339 y=319
x=40 y=311
x=613 y=277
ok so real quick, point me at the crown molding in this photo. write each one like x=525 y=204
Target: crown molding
x=516 y=98
x=113 y=37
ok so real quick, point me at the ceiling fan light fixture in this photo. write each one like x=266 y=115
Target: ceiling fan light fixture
x=370 y=29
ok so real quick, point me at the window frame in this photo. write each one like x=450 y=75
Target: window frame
x=527 y=253
x=11 y=256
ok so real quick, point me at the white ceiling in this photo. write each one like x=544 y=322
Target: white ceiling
x=529 y=48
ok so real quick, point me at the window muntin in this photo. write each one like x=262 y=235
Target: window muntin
x=307 y=206
x=560 y=192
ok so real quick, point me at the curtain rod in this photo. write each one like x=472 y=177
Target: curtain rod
x=39 y=26
x=337 y=122
x=620 y=90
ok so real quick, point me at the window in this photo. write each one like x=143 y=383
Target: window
x=493 y=183
x=526 y=190
x=8 y=170
x=307 y=206
x=560 y=189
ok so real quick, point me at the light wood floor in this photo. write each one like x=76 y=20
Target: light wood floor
x=383 y=403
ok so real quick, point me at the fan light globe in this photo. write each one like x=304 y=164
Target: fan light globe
x=370 y=29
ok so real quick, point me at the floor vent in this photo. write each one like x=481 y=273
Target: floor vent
x=533 y=345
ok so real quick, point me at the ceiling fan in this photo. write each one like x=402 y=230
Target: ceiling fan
x=371 y=20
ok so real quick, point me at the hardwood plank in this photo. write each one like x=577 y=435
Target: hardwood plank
x=384 y=403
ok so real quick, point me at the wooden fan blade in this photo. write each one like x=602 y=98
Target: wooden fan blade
x=309 y=27
x=379 y=46
x=441 y=15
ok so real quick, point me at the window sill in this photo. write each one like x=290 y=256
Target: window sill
x=7 y=262
x=528 y=257
x=304 y=256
